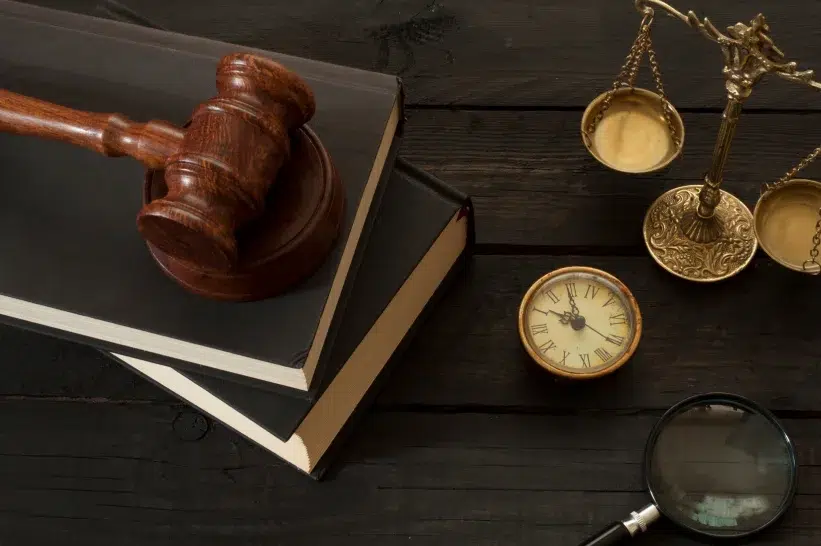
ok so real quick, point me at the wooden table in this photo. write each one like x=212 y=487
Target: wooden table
x=468 y=443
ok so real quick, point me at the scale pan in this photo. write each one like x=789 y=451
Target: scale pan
x=632 y=136
x=785 y=219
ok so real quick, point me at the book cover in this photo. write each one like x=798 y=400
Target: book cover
x=91 y=278
x=422 y=235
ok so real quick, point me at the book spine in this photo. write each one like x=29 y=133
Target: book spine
x=446 y=191
x=318 y=386
x=403 y=113
x=324 y=466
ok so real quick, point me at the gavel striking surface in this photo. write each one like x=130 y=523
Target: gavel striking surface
x=303 y=212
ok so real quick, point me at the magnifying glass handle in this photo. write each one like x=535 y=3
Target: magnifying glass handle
x=615 y=533
x=621 y=531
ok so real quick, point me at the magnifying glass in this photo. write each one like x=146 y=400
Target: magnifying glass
x=715 y=464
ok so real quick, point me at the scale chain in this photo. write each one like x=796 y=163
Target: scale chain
x=627 y=78
x=749 y=53
x=816 y=238
x=665 y=105
x=792 y=172
x=630 y=80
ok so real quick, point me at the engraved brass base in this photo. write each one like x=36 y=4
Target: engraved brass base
x=701 y=262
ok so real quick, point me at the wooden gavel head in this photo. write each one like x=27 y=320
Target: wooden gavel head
x=216 y=216
x=230 y=154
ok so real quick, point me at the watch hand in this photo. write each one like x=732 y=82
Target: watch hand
x=574 y=311
x=564 y=317
x=602 y=335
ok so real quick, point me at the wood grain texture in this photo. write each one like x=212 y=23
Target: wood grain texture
x=755 y=335
x=422 y=478
x=302 y=217
x=217 y=171
x=40 y=366
x=112 y=135
x=233 y=148
x=212 y=226
x=533 y=182
x=502 y=53
x=469 y=443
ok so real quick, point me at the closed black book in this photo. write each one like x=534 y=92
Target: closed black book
x=74 y=263
x=421 y=238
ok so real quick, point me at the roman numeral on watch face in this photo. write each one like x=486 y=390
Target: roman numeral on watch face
x=591 y=292
x=603 y=354
x=585 y=360
x=618 y=318
x=547 y=345
x=615 y=340
x=538 y=328
x=553 y=297
x=564 y=358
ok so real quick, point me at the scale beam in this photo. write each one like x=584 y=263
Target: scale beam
x=703 y=233
x=787 y=70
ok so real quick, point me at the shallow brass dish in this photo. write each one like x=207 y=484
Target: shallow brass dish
x=785 y=221
x=632 y=136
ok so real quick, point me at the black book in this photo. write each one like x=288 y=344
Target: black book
x=422 y=235
x=75 y=265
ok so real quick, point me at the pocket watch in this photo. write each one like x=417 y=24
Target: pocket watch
x=579 y=322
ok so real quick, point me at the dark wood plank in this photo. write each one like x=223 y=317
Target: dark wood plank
x=534 y=183
x=510 y=53
x=432 y=479
x=755 y=334
x=35 y=365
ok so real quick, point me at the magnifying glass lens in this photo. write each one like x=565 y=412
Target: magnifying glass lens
x=720 y=469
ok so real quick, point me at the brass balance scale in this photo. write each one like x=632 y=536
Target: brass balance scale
x=701 y=232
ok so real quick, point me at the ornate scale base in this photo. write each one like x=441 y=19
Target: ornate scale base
x=702 y=262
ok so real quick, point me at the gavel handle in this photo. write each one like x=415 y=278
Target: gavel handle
x=109 y=134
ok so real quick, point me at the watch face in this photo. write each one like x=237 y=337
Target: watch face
x=579 y=322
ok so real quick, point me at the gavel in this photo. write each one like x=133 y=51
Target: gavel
x=218 y=170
